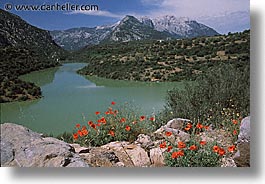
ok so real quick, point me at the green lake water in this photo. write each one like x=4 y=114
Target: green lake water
x=70 y=98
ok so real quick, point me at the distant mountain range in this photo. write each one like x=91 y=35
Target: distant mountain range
x=131 y=28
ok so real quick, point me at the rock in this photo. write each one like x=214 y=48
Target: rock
x=30 y=149
x=144 y=141
x=131 y=155
x=244 y=134
x=100 y=157
x=118 y=149
x=156 y=157
x=139 y=157
x=119 y=164
x=228 y=162
x=179 y=135
x=242 y=156
x=80 y=149
x=7 y=152
x=177 y=123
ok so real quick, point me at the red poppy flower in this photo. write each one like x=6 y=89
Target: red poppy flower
x=77 y=125
x=199 y=126
x=107 y=112
x=176 y=154
x=234 y=121
x=169 y=148
x=203 y=142
x=93 y=126
x=127 y=128
x=234 y=132
x=231 y=148
x=181 y=145
x=142 y=118
x=216 y=149
x=168 y=134
x=103 y=120
x=90 y=123
x=113 y=103
x=187 y=128
x=80 y=133
x=193 y=147
x=221 y=152
x=123 y=120
x=163 y=145
x=75 y=136
x=83 y=127
x=112 y=133
x=97 y=113
x=181 y=153
x=189 y=125
x=152 y=118
x=84 y=132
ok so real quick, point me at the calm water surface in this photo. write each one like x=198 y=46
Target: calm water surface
x=69 y=98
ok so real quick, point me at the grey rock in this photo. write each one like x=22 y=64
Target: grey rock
x=156 y=157
x=30 y=149
x=144 y=141
x=7 y=152
x=244 y=134
x=242 y=156
x=175 y=126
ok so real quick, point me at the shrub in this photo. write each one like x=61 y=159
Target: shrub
x=222 y=93
x=197 y=152
x=193 y=154
x=121 y=123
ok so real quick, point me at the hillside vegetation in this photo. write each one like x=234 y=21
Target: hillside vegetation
x=23 y=48
x=161 y=60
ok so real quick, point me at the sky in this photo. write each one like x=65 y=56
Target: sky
x=111 y=11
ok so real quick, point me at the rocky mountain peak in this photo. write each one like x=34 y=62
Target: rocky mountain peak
x=130 y=28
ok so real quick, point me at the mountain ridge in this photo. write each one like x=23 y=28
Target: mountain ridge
x=23 y=48
x=131 y=28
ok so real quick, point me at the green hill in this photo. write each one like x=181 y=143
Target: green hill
x=161 y=60
x=23 y=48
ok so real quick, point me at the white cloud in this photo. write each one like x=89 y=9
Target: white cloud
x=97 y=13
x=196 y=8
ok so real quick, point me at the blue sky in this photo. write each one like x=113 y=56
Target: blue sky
x=110 y=11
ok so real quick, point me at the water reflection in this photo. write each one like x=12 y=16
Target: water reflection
x=69 y=98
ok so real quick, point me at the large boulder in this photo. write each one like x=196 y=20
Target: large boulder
x=22 y=147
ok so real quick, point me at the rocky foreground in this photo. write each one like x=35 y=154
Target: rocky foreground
x=21 y=147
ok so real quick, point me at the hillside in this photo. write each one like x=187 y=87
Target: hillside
x=23 y=48
x=131 y=28
x=173 y=60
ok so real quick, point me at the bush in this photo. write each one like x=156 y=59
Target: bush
x=193 y=155
x=120 y=124
x=222 y=93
